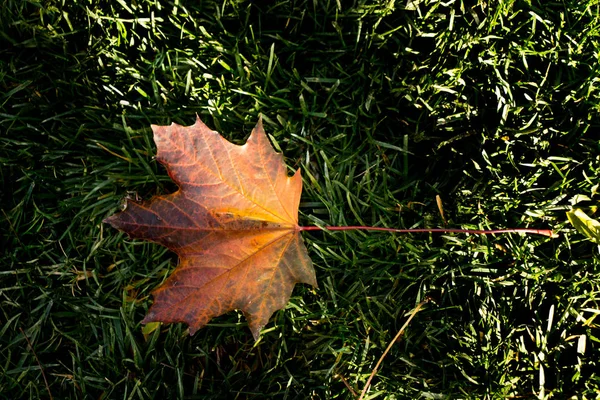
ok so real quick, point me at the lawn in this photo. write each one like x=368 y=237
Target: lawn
x=492 y=106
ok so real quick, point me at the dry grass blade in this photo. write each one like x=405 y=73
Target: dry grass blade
x=387 y=350
x=38 y=362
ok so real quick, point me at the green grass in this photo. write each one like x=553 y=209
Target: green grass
x=382 y=105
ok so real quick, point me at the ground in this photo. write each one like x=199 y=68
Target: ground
x=383 y=105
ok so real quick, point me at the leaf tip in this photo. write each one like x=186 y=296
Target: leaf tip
x=110 y=220
x=256 y=332
x=259 y=125
x=255 y=324
x=150 y=317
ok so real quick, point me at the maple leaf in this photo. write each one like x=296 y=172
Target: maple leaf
x=233 y=223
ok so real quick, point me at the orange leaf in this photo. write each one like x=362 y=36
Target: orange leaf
x=233 y=223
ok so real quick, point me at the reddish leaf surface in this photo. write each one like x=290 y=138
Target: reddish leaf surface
x=233 y=223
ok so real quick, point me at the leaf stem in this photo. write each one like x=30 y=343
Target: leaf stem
x=544 y=232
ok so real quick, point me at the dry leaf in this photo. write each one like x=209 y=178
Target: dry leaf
x=233 y=223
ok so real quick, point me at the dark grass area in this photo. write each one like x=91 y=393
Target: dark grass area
x=383 y=106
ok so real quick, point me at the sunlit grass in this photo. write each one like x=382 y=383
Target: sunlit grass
x=382 y=106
